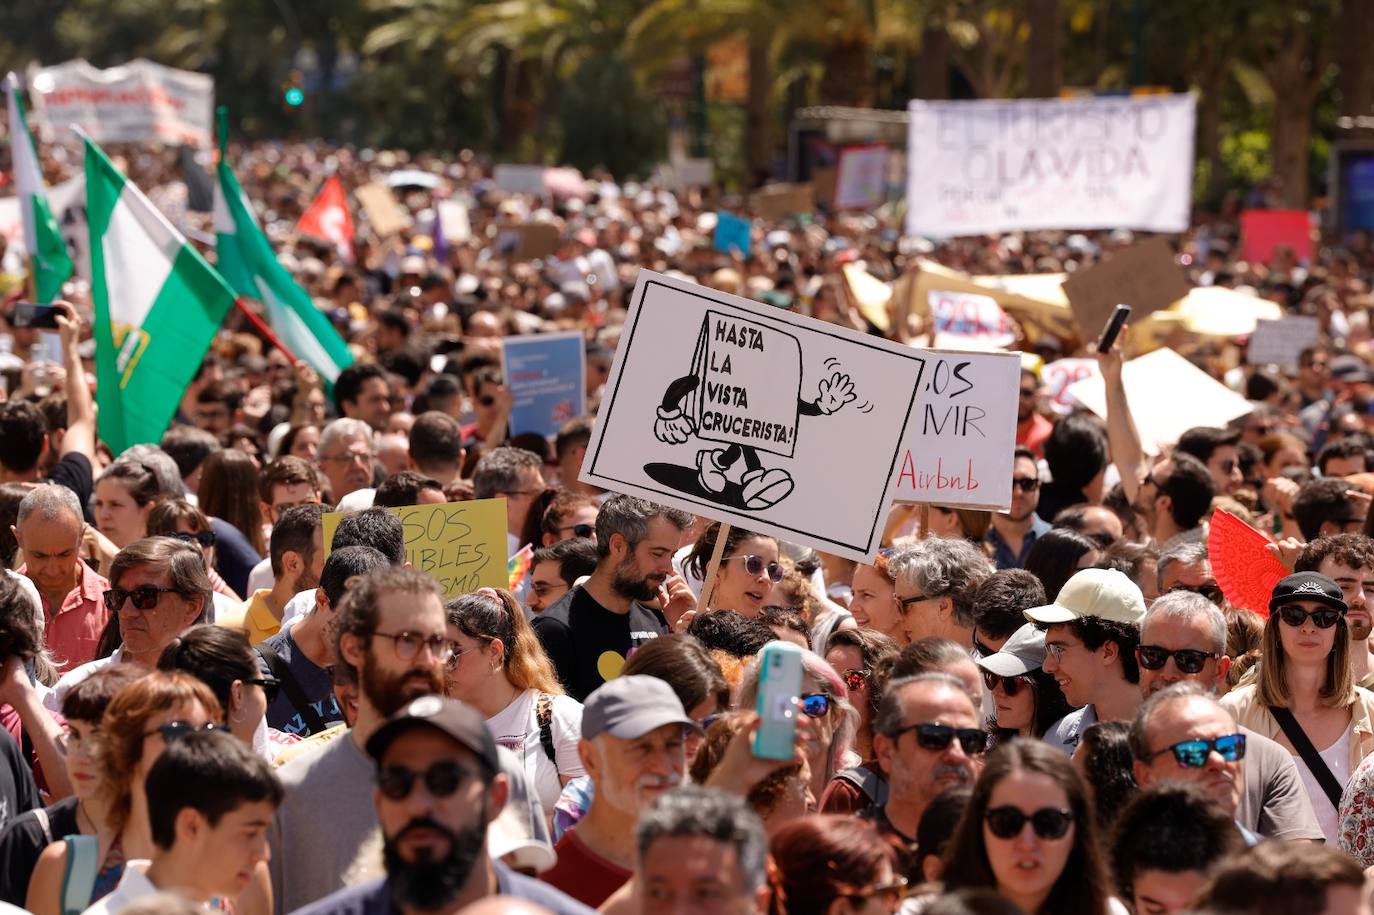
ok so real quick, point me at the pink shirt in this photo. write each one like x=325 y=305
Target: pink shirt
x=73 y=632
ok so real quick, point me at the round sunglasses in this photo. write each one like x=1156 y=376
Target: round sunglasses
x=755 y=566
x=1048 y=822
x=1188 y=660
x=1322 y=619
x=856 y=679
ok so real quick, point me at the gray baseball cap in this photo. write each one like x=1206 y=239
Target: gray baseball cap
x=630 y=707
x=1021 y=654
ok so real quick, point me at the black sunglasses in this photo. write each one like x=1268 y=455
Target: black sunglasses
x=441 y=780
x=1026 y=484
x=271 y=687
x=1188 y=660
x=1010 y=685
x=175 y=730
x=580 y=530
x=202 y=538
x=755 y=566
x=939 y=737
x=1212 y=592
x=145 y=597
x=1296 y=616
x=1048 y=822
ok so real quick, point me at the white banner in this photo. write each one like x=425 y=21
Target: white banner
x=1086 y=163
x=135 y=102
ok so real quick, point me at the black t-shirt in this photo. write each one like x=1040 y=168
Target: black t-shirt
x=588 y=644
x=74 y=472
x=23 y=840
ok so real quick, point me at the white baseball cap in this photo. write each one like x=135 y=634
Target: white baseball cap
x=1102 y=593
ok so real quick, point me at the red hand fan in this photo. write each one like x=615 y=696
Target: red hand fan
x=1242 y=563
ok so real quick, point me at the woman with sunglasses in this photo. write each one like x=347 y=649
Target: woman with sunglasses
x=1305 y=696
x=223 y=660
x=834 y=865
x=1029 y=834
x=857 y=655
x=749 y=568
x=1027 y=701
x=133 y=732
x=184 y=521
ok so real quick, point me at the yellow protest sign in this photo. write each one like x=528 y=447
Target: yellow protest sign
x=461 y=545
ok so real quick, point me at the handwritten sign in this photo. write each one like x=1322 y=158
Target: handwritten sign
x=1281 y=342
x=958 y=451
x=743 y=413
x=461 y=545
x=971 y=315
x=861 y=177
x=546 y=376
x=1056 y=378
x=1144 y=276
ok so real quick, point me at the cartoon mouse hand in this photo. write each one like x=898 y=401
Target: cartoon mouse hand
x=672 y=426
x=834 y=392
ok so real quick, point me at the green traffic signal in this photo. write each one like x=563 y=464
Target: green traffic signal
x=294 y=96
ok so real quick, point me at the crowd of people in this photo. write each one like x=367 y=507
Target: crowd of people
x=1057 y=708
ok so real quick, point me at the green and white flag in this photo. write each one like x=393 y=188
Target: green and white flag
x=48 y=257
x=158 y=305
x=244 y=257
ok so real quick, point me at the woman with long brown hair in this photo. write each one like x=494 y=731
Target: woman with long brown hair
x=229 y=490
x=823 y=860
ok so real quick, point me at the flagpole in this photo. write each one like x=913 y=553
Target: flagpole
x=263 y=329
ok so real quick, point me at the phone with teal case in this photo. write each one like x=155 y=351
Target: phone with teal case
x=780 y=682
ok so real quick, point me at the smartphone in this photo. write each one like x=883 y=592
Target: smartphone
x=27 y=314
x=1113 y=328
x=780 y=682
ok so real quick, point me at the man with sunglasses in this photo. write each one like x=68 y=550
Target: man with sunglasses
x=1173 y=498
x=1031 y=428
x=1216 y=449
x=1015 y=531
x=927 y=738
x=1187 y=567
x=439 y=784
x=1348 y=559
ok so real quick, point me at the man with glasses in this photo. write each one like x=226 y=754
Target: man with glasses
x=1187 y=567
x=1183 y=641
x=1348 y=559
x=1216 y=449
x=554 y=570
x=1015 y=531
x=935 y=581
x=438 y=785
x=390 y=629
x=1314 y=376
x=928 y=738
x=513 y=474
x=345 y=457
x=1092 y=631
x=1174 y=497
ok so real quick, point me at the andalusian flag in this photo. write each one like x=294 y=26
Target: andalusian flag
x=158 y=305
x=48 y=257
x=244 y=256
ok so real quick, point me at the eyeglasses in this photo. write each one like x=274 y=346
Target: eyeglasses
x=1056 y=649
x=452 y=663
x=348 y=457
x=1048 y=822
x=145 y=597
x=580 y=530
x=271 y=686
x=1296 y=616
x=939 y=737
x=205 y=539
x=441 y=780
x=175 y=730
x=1010 y=685
x=904 y=602
x=1210 y=590
x=816 y=705
x=1192 y=754
x=1025 y=484
x=1188 y=660
x=408 y=645
x=755 y=566
x=856 y=679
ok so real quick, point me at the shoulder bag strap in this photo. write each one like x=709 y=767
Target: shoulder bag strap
x=543 y=715
x=282 y=672
x=78 y=882
x=1315 y=764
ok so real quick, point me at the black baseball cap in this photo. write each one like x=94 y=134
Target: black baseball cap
x=1311 y=586
x=449 y=716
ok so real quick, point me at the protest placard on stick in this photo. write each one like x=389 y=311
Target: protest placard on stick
x=545 y=374
x=1144 y=276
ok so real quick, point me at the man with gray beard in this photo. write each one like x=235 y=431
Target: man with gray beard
x=633 y=750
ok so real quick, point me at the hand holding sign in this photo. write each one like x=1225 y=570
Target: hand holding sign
x=834 y=392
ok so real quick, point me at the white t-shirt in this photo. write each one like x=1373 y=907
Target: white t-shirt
x=133 y=886
x=516 y=728
x=260 y=578
x=1337 y=759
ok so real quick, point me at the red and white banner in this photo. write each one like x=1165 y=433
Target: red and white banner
x=135 y=102
x=966 y=317
x=328 y=218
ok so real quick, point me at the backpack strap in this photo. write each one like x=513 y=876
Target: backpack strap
x=313 y=722
x=543 y=715
x=872 y=784
x=78 y=881
x=1330 y=785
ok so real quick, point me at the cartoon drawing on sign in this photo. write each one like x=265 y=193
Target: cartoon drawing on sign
x=744 y=392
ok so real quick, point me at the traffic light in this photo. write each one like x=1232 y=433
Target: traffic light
x=292 y=92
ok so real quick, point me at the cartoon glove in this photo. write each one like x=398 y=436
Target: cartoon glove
x=672 y=426
x=834 y=392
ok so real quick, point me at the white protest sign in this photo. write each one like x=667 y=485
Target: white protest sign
x=979 y=167
x=967 y=314
x=134 y=102
x=453 y=216
x=959 y=446
x=740 y=412
x=861 y=177
x=1281 y=342
x=1056 y=378
x=693 y=172
x=520 y=179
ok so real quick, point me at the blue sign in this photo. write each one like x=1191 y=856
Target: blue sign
x=732 y=232
x=546 y=375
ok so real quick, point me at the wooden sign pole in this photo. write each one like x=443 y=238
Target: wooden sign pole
x=709 y=582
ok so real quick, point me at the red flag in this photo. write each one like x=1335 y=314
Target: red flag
x=328 y=218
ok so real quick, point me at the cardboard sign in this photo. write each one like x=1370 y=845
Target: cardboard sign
x=870 y=295
x=520 y=179
x=1168 y=396
x=959 y=448
x=1264 y=230
x=461 y=545
x=383 y=212
x=776 y=202
x=136 y=102
x=971 y=316
x=861 y=177
x=534 y=240
x=1059 y=375
x=732 y=234
x=546 y=375
x=1144 y=276
x=1280 y=342
x=736 y=411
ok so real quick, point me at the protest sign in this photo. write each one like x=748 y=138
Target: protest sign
x=1144 y=276
x=693 y=172
x=545 y=373
x=1035 y=299
x=1059 y=375
x=1264 y=230
x=384 y=214
x=453 y=218
x=131 y=103
x=739 y=412
x=520 y=179
x=870 y=295
x=1280 y=342
x=972 y=316
x=779 y=201
x=732 y=234
x=978 y=167
x=527 y=242
x=461 y=545
x=861 y=177
x=1168 y=395
x=959 y=448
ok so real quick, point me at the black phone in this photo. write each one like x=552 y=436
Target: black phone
x=1113 y=328
x=27 y=314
